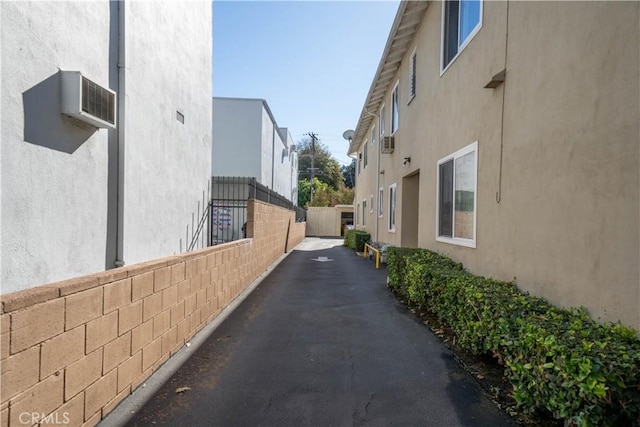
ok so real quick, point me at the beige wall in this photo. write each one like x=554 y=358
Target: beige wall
x=567 y=225
x=325 y=221
x=80 y=346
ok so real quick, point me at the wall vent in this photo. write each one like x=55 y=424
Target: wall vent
x=387 y=145
x=87 y=101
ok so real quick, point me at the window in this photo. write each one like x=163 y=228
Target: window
x=373 y=134
x=412 y=75
x=457 y=201
x=365 y=156
x=358 y=214
x=394 y=109
x=371 y=203
x=359 y=162
x=382 y=113
x=380 y=202
x=461 y=20
x=364 y=213
x=392 y=208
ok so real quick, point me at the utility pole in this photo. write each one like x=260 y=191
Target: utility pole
x=313 y=163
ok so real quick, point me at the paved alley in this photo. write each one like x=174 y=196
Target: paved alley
x=321 y=342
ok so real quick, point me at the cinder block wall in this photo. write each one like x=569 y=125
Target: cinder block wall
x=72 y=350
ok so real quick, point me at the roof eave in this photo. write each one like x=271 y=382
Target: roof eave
x=408 y=19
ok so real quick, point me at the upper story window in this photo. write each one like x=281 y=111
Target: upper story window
x=395 y=115
x=412 y=75
x=359 y=162
x=381 y=125
x=461 y=20
x=365 y=157
x=373 y=134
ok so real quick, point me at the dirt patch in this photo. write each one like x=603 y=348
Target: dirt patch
x=485 y=369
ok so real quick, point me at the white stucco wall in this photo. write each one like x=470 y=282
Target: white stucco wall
x=248 y=142
x=54 y=170
x=286 y=171
x=167 y=163
x=270 y=138
x=57 y=198
x=236 y=137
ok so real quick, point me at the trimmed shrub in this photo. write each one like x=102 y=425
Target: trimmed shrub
x=355 y=239
x=560 y=360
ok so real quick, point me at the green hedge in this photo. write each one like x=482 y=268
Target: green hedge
x=355 y=239
x=561 y=360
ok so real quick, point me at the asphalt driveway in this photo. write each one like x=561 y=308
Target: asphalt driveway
x=321 y=342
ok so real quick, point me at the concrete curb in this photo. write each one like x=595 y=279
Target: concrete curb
x=123 y=413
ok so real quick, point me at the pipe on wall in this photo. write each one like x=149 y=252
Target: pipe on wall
x=377 y=189
x=119 y=262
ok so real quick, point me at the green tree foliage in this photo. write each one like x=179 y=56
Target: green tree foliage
x=327 y=168
x=329 y=182
x=349 y=174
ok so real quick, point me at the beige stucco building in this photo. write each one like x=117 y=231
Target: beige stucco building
x=510 y=136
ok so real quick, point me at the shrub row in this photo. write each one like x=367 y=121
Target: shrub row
x=355 y=239
x=560 y=360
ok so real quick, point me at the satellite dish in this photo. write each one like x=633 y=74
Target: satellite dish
x=348 y=135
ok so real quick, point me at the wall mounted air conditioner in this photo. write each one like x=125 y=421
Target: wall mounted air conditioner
x=387 y=145
x=87 y=101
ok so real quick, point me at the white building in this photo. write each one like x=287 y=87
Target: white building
x=248 y=142
x=77 y=199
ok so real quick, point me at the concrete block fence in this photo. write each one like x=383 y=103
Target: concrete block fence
x=72 y=350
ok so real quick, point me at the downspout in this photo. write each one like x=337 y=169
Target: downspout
x=273 y=155
x=377 y=189
x=119 y=262
x=504 y=88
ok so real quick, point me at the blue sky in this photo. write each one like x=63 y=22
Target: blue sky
x=313 y=61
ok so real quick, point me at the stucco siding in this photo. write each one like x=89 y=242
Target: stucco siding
x=571 y=157
x=270 y=139
x=247 y=141
x=559 y=209
x=236 y=137
x=54 y=169
x=167 y=162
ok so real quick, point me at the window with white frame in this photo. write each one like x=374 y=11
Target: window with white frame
x=359 y=162
x=365 y=157
x=395 y=114
x=392 y=208
x=381 y=118
x=412 y=75
x=461 y=20
x=373 y=134
x=364 y=213
x=457 y=201
x=358 y=214
x=371 y=203
x=380 y=202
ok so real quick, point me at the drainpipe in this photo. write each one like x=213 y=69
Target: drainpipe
x=377 y=189
x=121 y=135
x=273 y=154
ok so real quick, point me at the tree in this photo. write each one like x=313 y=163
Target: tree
x=329 y=180
x=327 y=169
x=349 y=174
x=323 y=195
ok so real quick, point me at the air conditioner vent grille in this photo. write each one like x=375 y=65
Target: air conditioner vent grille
x=387 y=145
x=98 y=101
